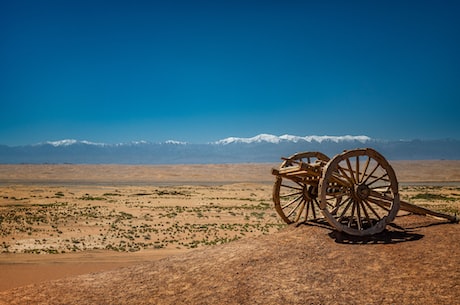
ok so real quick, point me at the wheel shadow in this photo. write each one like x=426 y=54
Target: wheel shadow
x=396 y=234
x=393 y=234
x=385 y=237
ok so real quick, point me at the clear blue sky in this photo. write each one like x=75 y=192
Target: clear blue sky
x=199 y=71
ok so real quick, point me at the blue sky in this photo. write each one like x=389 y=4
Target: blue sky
x=199 y=71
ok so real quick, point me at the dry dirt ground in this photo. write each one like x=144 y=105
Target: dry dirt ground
x=151 y=235
x=300 y=265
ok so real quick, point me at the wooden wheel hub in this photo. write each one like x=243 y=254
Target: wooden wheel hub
x=310 y=192
x=361 y=192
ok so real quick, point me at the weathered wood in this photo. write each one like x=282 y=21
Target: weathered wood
x=344 y=174
x=356 y=191
x=301 y=169
x=410 y=207
x=297 y=181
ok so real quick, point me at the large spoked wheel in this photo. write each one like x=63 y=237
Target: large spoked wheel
x=297 y=200
x=367 y=189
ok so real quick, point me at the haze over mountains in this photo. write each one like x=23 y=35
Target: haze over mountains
x=261 y=148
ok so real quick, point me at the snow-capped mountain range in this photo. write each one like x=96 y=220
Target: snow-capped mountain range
x=289 y=138
x=68 y=142
x=260 y=148
x=261 y=138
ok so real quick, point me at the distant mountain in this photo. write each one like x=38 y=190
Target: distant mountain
x=261 y=148
x=268 y=138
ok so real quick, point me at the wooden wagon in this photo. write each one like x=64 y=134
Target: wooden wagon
x=356 y=191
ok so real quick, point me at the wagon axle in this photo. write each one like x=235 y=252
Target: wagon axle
x=356 y=191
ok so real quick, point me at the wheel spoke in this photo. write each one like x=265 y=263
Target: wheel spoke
x=338 y=180
x=382 y=196
x=300 y=212
x=290 y=194
x=385 y=188
x=382 y=204
x=313 y=210
x=372 y=209
x=308 y=210
x=291 y=202
x=358 y=215
x=349 y=202
x=338 y=205
x=295 y=208
x=330 y=204
x=372 y=172
x=365 y=169
x=343 y=171
x=366 y=214
x=315 y=200
x=357 y=170
x=379 y=178
x=350 y=220
x=351 y=171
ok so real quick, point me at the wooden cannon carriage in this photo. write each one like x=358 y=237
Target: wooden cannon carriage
x=356 y=191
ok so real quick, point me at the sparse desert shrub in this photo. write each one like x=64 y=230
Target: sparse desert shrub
x=89 y=197
x=431 y=196
x=59 y=194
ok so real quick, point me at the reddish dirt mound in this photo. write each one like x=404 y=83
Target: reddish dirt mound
x=309 y=264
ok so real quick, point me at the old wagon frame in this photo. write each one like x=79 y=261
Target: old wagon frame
x=356 y=191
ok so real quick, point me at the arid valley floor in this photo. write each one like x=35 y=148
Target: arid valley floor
x=137 y=226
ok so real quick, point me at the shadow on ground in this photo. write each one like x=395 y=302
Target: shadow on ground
x=402 y=231
x=396 y=235
x=385 y=237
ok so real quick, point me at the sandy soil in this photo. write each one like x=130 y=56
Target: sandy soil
x=299 y=265
x=94 y=227
x=67 y=220
x=62 y=174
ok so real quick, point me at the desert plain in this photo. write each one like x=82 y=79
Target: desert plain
x=62 y=222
